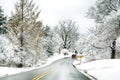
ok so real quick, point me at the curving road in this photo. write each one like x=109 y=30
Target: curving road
x=59 y=70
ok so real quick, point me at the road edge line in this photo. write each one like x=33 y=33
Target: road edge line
x=84 y=72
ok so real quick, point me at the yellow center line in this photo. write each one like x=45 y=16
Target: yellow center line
x=45 y=73
x=53 y=68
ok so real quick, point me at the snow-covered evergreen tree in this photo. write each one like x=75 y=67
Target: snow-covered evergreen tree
x=2 y=22
x=51 y=41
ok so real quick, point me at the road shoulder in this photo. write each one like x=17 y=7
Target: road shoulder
x=84 y=72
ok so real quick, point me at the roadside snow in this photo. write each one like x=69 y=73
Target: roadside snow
x=54 y=58
x=108 y=69
x=4 y=71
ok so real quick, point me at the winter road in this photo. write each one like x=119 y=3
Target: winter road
x=59 y=70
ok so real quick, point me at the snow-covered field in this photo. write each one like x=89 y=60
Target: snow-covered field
x=4 y=71
x=108 y=69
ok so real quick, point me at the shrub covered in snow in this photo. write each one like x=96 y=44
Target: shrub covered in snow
x=13 y=56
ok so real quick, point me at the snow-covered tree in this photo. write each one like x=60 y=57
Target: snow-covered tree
x=26 y=31
x=102 y=9
x=24 y=20
x=68 y=32
x=106 y=14
x=2 y=22
x=51 y=41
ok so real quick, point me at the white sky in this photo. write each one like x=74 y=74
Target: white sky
x=53 y=11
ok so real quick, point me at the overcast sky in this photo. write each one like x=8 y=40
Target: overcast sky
x=53 y=11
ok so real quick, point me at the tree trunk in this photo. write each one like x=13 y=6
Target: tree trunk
x=21 y=41
x=21 y=37
x=113 y=49
x=65 y=42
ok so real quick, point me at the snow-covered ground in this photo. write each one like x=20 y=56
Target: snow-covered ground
x=4 y=71
x=108 y=69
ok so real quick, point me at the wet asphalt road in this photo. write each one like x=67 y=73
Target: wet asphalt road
x=59 y=70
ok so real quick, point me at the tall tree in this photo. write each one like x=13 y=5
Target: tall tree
x=2 y=22
x=107 y=26
x=25 y=29
x=68 y=32
x=24 y=20
x=49 y=41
